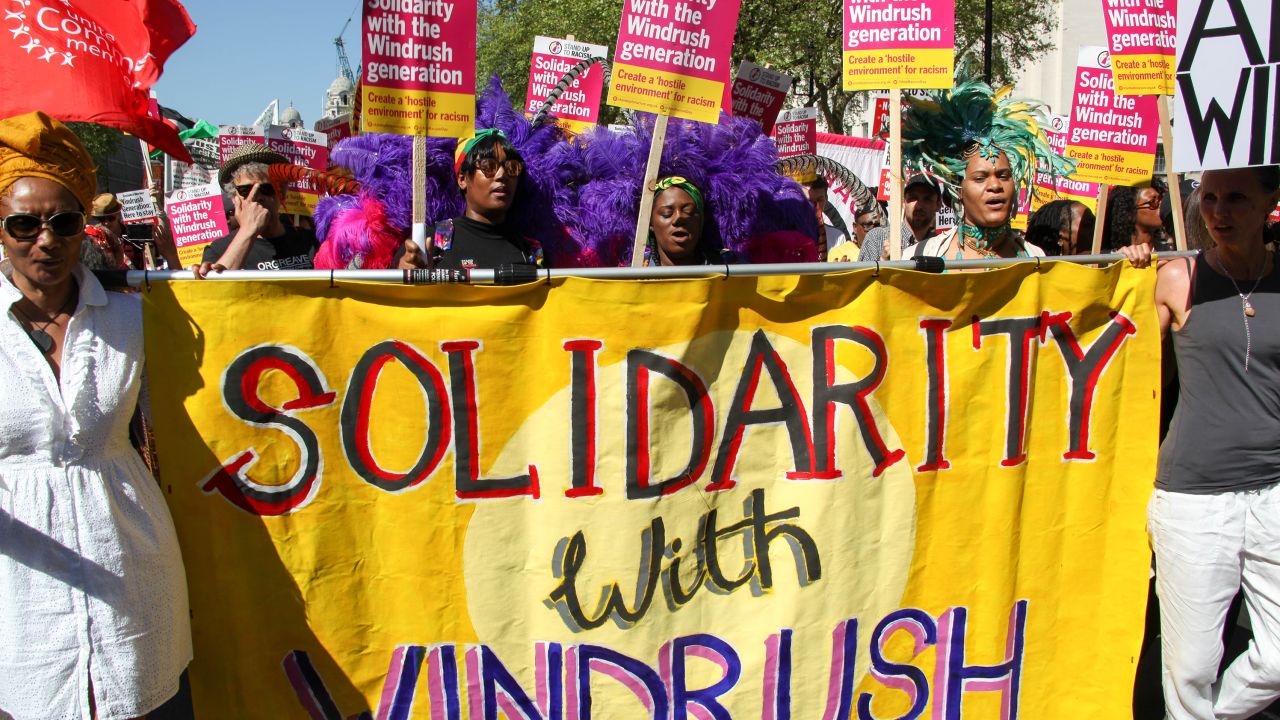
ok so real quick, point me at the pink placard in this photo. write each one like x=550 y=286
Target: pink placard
x=427 y=45
x=579 y=104
x=758 y=93
x=797 y=132
x=1111 y=137
x=231 y=137
x=197 y=218
x=306 y=148
x=899 y=24
x=1142 y=38
x=690 y=38
x=1069 y=186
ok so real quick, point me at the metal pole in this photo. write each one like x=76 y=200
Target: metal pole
x=138 y=278
x=986 y=48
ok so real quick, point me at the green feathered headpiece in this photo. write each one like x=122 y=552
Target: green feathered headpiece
x=941 y=132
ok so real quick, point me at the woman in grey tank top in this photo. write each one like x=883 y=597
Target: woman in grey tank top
x=1214 y=518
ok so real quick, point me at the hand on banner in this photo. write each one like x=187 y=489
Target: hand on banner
x=203 y=269
x=1139 y=256
x=413 y=257
x=252 y=215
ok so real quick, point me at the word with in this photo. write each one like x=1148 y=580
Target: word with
x=757 y=530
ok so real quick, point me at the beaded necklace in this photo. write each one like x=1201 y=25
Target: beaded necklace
x=983 y=240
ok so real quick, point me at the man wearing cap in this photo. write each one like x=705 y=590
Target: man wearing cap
x=262 y=240
x=921 y=201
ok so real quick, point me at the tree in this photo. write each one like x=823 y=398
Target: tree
x=101 y=141
x=799 y=38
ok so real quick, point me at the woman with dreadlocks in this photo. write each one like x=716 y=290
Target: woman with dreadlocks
x=982 y=145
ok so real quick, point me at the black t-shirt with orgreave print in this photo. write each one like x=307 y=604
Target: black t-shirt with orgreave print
x=294 y=250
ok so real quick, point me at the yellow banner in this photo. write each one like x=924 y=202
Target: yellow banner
x=908 y=68
x=417 y=112
x=665 y=93
x=738 y=497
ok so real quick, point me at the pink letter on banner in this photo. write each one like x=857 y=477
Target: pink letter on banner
x=1112 y=138
x=672 y=57
x=1142 y=38
x=578 y=107
x=899 y=44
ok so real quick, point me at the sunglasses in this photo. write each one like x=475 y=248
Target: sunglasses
x=264 y=190
x=24 y=226
x=489 y=166
x=869 y=225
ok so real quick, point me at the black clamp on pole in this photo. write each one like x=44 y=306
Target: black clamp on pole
x=930 y=264
x=515 y=274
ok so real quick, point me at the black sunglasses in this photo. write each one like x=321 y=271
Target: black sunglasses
x=489 y=166
x=24 y=226
x=264 y=190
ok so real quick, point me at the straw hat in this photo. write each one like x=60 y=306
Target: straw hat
x=250 y=153
x=105 y=205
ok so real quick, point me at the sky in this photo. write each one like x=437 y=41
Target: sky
x=245 y=53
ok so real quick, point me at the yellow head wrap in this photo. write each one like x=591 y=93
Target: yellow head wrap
x=36 y=145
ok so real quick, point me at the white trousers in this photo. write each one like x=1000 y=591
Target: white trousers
x=1206 y=547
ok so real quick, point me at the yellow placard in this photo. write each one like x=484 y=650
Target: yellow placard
x=190 y=255
x=417 y=112
x=888 y=69
x=300 y=203
x=1113 y=167
x=664 y=93
x=766 y=496
x=1143 y=74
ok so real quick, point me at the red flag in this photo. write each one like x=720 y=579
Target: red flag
x=91 y=61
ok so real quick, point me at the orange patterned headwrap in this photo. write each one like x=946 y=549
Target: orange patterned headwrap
x=36 y=145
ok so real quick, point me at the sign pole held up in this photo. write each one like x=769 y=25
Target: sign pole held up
x=895 y=174
x=646 y=197
x=1100 y=220
x=1175 y=184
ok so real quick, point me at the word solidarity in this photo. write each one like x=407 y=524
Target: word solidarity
x=808 y=417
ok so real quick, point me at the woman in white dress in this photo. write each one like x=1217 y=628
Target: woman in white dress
x=93 y=600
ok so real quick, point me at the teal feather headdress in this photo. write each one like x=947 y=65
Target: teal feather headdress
x=941 y=132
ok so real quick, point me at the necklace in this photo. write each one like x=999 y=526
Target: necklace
x=38 y=335
x=1246 y=307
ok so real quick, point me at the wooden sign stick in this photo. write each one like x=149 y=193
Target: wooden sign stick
x=1175 y=184
x=895 y=174
x=646 y=197
x=425 y=244
x=1100 y=221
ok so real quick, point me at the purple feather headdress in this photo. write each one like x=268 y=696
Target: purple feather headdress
x=753 y=212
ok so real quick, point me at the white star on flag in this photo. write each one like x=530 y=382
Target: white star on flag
x=48 y=53
x=67 y=57
x=32 y=44
x=20 y=30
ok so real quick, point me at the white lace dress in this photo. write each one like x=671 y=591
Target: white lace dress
x=93 y=598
